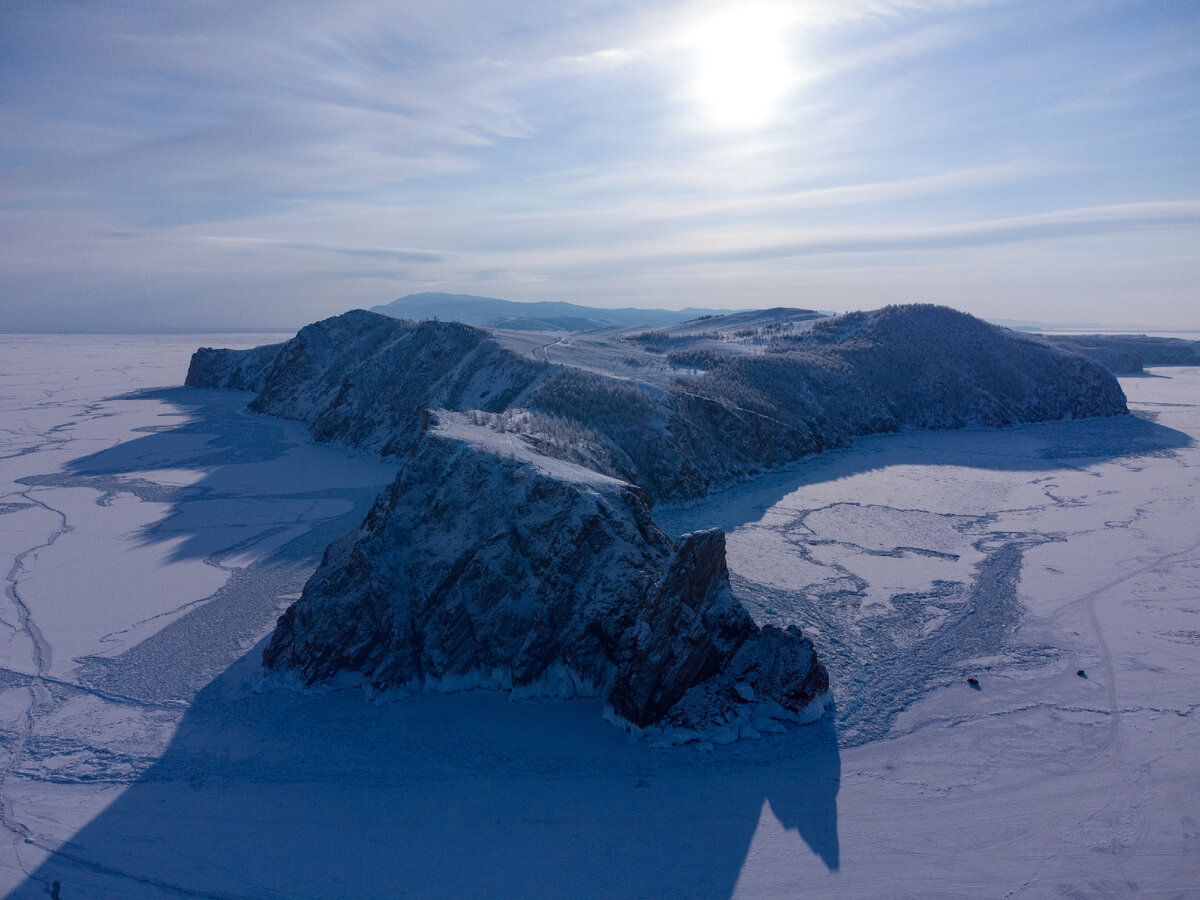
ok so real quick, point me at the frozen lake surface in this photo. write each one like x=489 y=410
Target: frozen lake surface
x=152 y=534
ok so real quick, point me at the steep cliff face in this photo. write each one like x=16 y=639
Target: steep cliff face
x=488 y=565
x=235 y=370
x=477 y=567
x=688 y=629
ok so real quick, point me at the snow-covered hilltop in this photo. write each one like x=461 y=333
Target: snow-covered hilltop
x=516 y=548
x=678 y=412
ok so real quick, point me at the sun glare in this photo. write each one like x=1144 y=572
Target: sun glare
x=742 y=65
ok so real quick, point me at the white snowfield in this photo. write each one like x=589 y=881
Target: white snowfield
x=151 y=535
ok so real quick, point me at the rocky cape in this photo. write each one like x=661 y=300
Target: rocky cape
x=559 y=582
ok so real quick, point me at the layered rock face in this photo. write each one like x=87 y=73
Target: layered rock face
x=365 y=380
x=487 y=565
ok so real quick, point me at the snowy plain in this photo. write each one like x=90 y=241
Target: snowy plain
x=152 y=533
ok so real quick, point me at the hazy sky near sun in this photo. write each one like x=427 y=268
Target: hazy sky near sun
x=212 y=164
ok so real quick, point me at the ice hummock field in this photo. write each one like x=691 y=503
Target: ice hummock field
x=152 y=533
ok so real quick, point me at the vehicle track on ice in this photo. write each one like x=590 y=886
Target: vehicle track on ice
x=41 y=698
x=1087 y=603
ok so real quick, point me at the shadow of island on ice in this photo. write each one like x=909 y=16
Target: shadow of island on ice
x=278 y=793
x=259 y=478
x=1037 y=447
x=248 y=494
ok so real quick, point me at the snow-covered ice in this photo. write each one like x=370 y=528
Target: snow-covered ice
x=152 y=533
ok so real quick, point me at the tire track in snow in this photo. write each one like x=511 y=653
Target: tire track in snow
x=40 y=696
x=1088 y=603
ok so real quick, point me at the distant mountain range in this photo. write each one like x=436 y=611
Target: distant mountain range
x=539 y=316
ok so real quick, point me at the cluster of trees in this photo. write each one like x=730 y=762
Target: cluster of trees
x=774 y=331
x=552 y=429
x=695 y=358
x=658 y=341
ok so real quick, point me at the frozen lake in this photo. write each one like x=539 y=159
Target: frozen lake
x=153 y=533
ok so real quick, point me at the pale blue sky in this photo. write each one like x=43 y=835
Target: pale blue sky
x=215 y=164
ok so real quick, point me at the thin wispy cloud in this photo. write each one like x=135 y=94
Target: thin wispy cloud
x=244 y=158
x=395 y=253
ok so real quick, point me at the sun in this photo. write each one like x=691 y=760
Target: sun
x=742 y=65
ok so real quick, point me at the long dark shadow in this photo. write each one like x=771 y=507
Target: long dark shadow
x=1046 y=446
x=276 y=793
x=220 y=432
x=232 y=447
x=281 y=794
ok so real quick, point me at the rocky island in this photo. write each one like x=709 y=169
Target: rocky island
x=516 y=549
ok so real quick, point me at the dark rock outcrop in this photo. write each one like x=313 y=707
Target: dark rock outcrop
x=688 y=629
x=487 y=565
x=235 y=370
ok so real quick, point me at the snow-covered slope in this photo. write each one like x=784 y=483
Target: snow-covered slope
x=912 y=367
x=365 y=380
x=716 y=417
x=488 y=565
x=727 y=416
